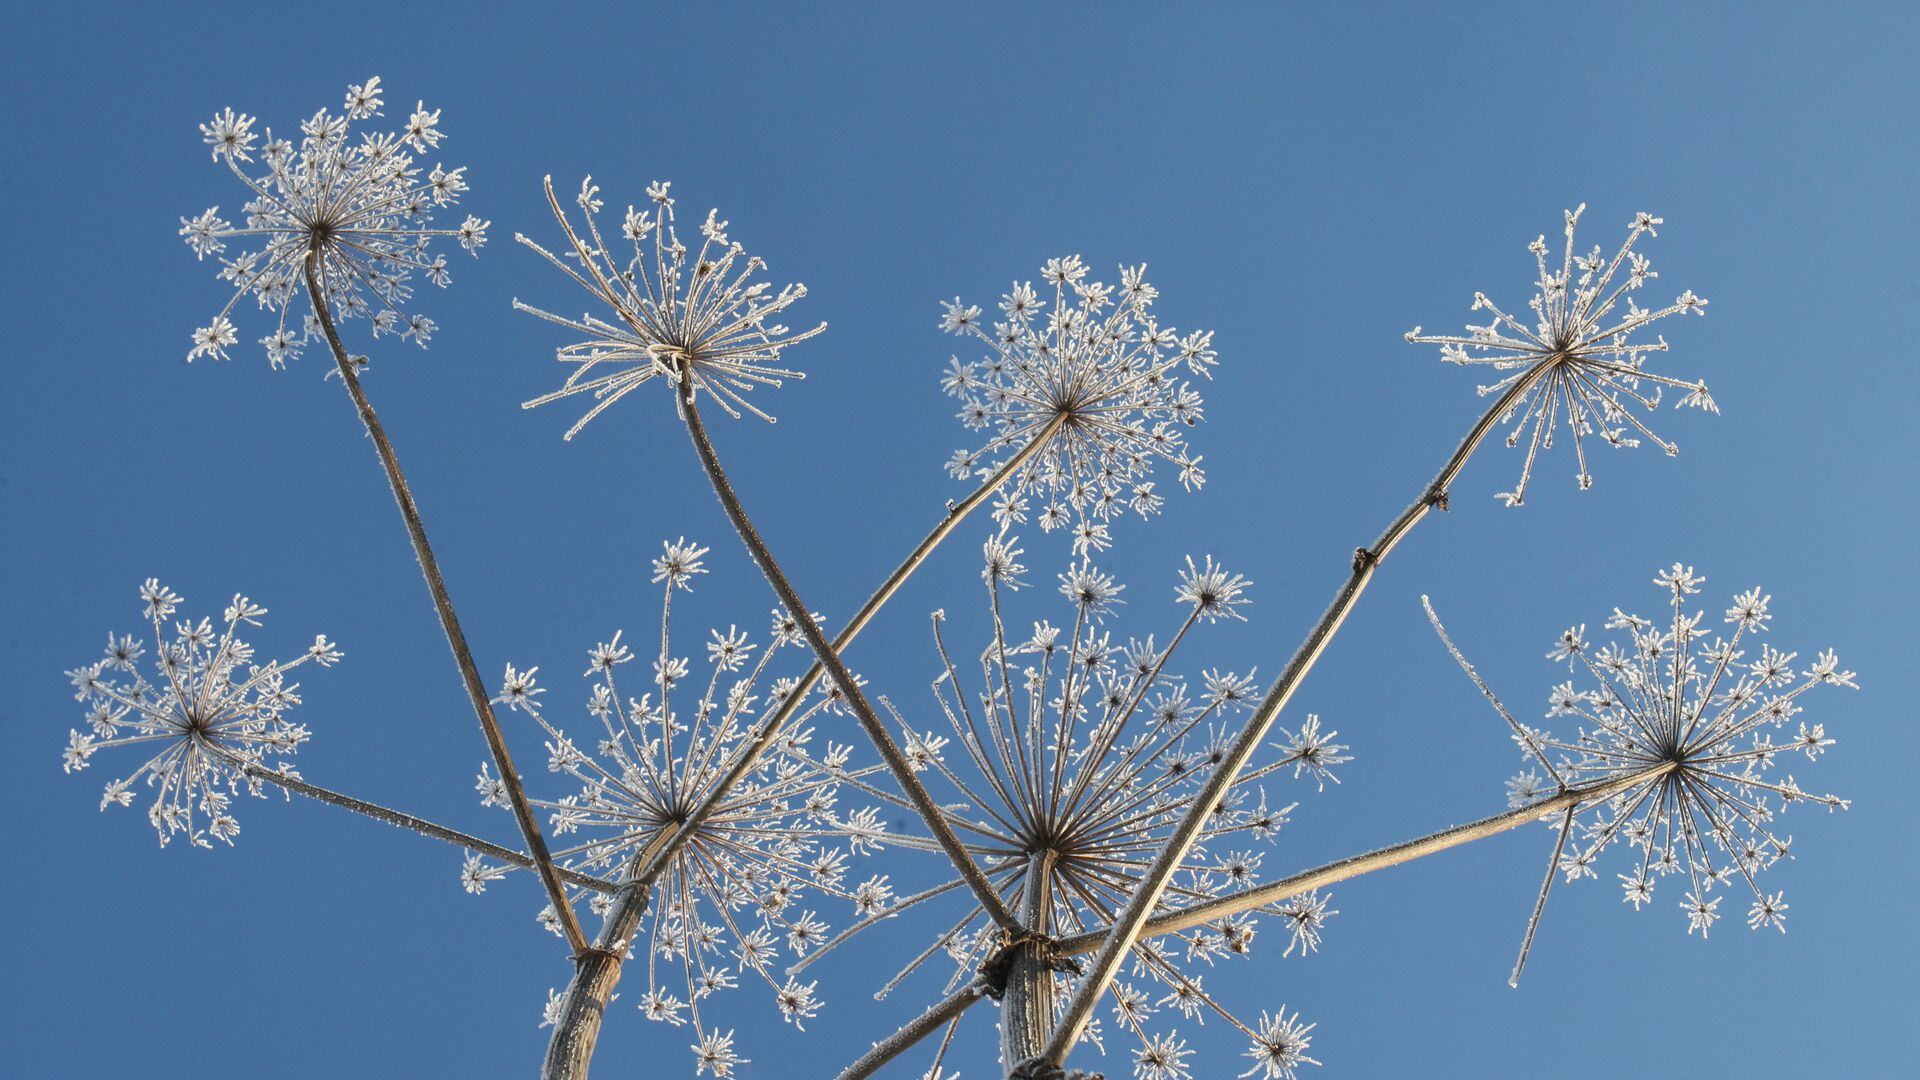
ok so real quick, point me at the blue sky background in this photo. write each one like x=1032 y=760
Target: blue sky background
x=1309 y=184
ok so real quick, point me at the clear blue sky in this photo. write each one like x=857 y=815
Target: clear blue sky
x=1309 y=184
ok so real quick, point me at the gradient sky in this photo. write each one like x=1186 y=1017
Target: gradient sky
x=1308 y=184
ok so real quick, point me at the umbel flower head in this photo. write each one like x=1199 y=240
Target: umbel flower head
x=674 y=313
x=362 y=206
x=1580 y=365
x=1074 y=756
x=736 y=895
x=1699 y=724
x=207 y=727
x=1094 y=362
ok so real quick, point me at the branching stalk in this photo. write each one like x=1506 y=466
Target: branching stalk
x=596 y=972
x=1354 y=866
x=1134 y=917
x=571 y=1050
x=1286 y=888
x=443 y=606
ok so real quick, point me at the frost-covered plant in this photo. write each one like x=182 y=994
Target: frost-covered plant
x=1579 y=365
x=1074 y=754
x=1103 y=799
x=209 y=725
x=735 y=894
x=672 y=314
x=362 y=208
x=1687 y=718
x=1095 y=362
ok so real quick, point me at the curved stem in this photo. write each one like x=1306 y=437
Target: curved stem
x=400 y=819
x=903 y=774
x=443 y=606
x=1127 y=927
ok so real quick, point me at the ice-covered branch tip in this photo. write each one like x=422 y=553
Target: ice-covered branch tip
x=1703 y=713
x=674 y=313
x=1095 y=357
x=1584 y=366
x=207 y=726
x=364 y=207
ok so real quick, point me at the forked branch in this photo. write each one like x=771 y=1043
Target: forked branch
x=443 y=606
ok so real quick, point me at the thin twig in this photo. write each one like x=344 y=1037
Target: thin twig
x=388 y=815
x=916 y=1029
x=443 y=606
x=1540 y=905
x=1127 y=927
x=930 y=812
x=763 y=737
x=1353 y=866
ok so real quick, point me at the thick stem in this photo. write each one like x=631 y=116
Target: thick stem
x=1353 y=866
x=1127 y=927
x=596 y=972
x=1026 y=1009
x=571 y=1050
x=916 y=1029
x=400 y=819
x=443 y=606
x=856 y=699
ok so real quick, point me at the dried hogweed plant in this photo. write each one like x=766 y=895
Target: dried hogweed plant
x=1100 y=809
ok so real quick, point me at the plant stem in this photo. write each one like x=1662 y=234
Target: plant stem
x=570 y=1052
x=390 y=816
x=1353 y=866
x=930 y=811
x=763 y=737
x=1127 y=927
x=916 y=1029
x=443 y=606
x=1026 y=1009
x=596 y=972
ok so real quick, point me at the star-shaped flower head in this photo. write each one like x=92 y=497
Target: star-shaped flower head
x=1580 y=365
x=210 y=720
x=1093 y=373
x=363 y=208
x=672 y=312
x=1071 y=759
x=737 y=893
x=1698 y=726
